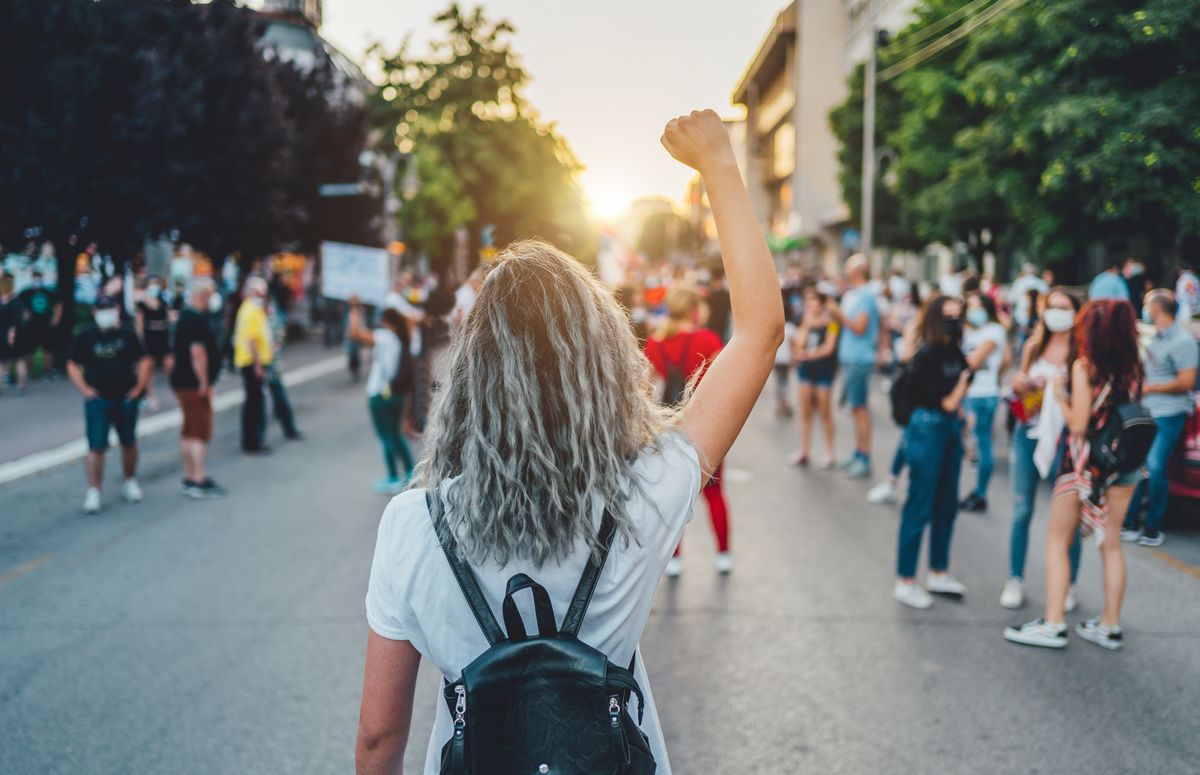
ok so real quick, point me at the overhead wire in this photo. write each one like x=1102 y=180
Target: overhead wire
x=933 y=28
x=1000 y=9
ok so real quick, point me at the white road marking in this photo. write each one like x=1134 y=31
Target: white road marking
x=37 y=462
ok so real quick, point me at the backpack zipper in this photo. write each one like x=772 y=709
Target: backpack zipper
x=460 y=708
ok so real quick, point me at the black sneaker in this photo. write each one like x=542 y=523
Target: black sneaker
x=1151 y=537
x=973 y=503
x=194 y=490
x=212 y=489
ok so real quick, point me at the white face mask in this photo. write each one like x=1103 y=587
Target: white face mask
x=1058 y=320
x=108 y=319
x=257 y=301
x=214 y=303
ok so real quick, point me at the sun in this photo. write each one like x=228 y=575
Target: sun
x=605 y=201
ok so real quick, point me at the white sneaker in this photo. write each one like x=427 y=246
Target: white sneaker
x=724 y=562
x=91 y=501
x=131 y=491
x=911 y=595
x=884 y=492
x=1071 y=603
x=1106 y=637
x=1130 y=534
x=945 y=584
x=1038 y=633
x=674 y=567
x=1013 y=595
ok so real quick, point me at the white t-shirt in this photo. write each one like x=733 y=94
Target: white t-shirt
x=385 y=359
x=987 y=379
x=783 y=356
x=413 y=596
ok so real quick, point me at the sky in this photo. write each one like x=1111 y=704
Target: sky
x=609 y=74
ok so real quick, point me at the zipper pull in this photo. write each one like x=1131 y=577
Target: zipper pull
x=614 y=711
x=460 y=708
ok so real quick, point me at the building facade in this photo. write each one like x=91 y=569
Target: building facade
x=797 y=76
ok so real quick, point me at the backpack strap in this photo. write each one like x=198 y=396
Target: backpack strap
x=591 y=574
x=462 y=574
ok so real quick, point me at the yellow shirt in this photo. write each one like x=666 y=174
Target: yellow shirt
x=251 y=326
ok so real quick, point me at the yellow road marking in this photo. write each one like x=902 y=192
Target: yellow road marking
x=1176 y=563
x=25 y=568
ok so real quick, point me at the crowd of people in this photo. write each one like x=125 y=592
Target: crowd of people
x=963 y=360
x=195 y=327
x=1058 y=366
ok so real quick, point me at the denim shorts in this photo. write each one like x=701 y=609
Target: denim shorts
x=856 y=383
x=101 y=414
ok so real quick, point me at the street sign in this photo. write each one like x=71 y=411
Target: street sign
x=341 y=189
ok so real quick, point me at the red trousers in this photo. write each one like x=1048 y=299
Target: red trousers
x=718 y=511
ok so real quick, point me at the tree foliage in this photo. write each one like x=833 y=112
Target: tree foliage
x=128 y=119
x=1062 y=124
x=481 y=153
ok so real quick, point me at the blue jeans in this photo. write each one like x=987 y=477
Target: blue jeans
x=933 y=449
x=984 y=411
x=898 y=459
x=1025 y=481
x=1153 y=489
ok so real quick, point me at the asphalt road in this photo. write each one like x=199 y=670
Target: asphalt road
x=176 y=636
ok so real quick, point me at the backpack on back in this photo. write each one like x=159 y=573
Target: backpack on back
x=676 y=380
x=1121 y=444
x=546 y=703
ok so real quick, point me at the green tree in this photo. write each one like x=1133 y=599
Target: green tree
x=482 y=155
x=1060 y=125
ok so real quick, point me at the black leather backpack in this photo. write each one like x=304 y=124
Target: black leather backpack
x=547 y=704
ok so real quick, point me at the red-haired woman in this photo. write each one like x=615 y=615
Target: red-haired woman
x=1106 y=372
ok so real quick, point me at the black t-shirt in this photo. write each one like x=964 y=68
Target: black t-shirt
x=37 y=307
x=190 y=329
x=109 y=359
x=935 y=373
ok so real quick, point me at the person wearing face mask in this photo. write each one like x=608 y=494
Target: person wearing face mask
x=1134 y=273
x=1170 y=360
x=252 y=355
x=152 y=327
x=938 y=382
x=111 y=370
x=1047 y=354
x=38 y=315
x=985 y=343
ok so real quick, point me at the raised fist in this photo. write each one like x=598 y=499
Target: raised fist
x=699 y=140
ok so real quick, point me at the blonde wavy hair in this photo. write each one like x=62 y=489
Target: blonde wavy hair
x=546 y=407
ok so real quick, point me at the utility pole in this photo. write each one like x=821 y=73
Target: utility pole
x=868 y=154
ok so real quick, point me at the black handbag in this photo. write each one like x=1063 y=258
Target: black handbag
x=547 y=703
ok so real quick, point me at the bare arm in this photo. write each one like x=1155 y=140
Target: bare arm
x=199 y=358
x=75 y=374
x=954 y=398
x=723 y=400
x=1184 y=381
x=1078 y=405
x=145 y=370
x=357 y=332
x=389 y=683
x=857 y=324
x=980 y=354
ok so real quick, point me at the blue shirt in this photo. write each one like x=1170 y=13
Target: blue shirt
x=1168 y=353
x=1108 y=285
x=859 y=348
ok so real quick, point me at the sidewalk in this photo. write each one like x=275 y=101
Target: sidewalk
x=50 y=414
